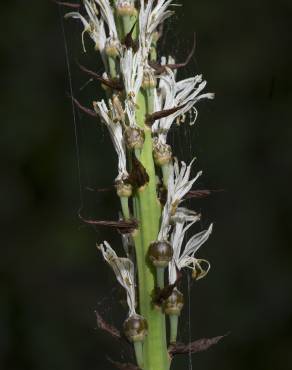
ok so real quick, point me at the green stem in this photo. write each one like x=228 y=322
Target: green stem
x=112 y=67
x=160 y=277
x=173 y=320
x=138 y=347
x=125 y=207
x=128 y=23
x=148 y=211
x=138 y=153
x=165 y=174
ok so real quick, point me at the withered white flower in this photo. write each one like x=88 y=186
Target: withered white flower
x=183 y=214
x=131 y=114
x=150 y=17
x=107 y=14
x=124 y=271
x=179 y=184
x=186 y=258
x=116 y=133
x=132 y=72
x=94 y=26
x=184 y=94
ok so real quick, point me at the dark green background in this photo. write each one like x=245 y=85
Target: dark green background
x=52 y=277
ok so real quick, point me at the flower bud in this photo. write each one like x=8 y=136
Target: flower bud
x=162 y=154
x=174 y=303
x=135 y=328
x=134 y=137
x=160 y=253
x=125 y=8
x=124 y=190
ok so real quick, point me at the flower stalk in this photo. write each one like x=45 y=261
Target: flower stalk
x=143 y=101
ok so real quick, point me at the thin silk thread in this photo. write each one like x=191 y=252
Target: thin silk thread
x=77 y=150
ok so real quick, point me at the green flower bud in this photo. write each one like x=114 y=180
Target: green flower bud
x=160 y=253
x=135 y=328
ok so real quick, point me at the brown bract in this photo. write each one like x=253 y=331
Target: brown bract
x=111 y=83
x=129 y=42
x=159 y=69
x=124 y=227
x=88 y=111
x=68 y=5
x=193 y=347
x=124 y=366
x=103 y=325
x=151 y=118
x=138 y=176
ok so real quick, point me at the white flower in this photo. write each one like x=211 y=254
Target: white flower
x=131 y=114
x=116 y=133
x=179 y=184
x=184 y=94
x=107 y=14
x=183 y=214
x=150 y=17
x=132 y=72
x=94 y=26
x=124 y=271
x=185 y=258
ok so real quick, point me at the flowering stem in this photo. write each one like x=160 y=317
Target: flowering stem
x=148 y=212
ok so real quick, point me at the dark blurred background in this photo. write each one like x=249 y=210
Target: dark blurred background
x=52 y=278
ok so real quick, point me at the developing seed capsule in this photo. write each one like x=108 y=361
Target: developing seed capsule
x=125 y=8
x=162 y=154
x=112 y=48
x=174 y=303
x=149 y=80
x=135 y=328
x=134 y=137
x=116 y=107
x=124 y=190
x=160 y=253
